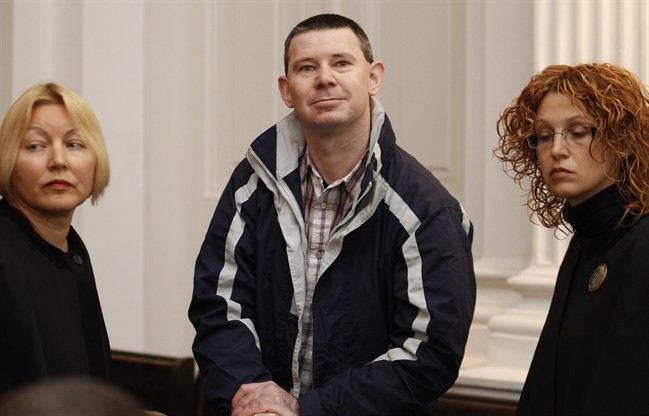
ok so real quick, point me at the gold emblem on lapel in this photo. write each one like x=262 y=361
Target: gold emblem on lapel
x=597 y=278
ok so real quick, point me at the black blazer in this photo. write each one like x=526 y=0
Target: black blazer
x=592 y=358
x=50 y=317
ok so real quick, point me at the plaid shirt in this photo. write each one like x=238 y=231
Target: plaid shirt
x=324 y=207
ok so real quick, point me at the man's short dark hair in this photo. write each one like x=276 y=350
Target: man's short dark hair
x=325 y=22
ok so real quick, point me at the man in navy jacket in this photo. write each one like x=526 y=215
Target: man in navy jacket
x=336 y=276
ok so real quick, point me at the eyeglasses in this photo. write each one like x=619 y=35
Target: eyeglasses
x=572 y=135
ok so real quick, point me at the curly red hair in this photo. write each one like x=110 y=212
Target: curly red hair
x=618 y=103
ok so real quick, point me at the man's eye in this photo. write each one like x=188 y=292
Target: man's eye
x=307 y=68
x=342 y=63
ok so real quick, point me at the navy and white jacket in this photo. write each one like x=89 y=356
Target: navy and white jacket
x=393 y=302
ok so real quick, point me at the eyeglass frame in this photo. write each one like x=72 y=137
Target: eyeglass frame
x=565 y=135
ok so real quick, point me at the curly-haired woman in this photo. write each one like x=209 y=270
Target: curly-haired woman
x=577 y=137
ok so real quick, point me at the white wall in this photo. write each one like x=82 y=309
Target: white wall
x=182 y=87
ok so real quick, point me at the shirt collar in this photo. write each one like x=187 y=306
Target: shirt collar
x=350 y=180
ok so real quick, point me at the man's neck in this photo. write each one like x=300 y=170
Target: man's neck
x=335 y=157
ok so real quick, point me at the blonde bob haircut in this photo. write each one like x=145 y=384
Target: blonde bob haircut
x=17 y=120
x=617 y=102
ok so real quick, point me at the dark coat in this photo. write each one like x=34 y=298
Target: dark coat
x=392 y=306
x=592 y=358
x=50 y=318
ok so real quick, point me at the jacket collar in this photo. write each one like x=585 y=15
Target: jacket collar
x=281 y=147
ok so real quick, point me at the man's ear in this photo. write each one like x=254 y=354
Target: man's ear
x=377 y=70
x=282 y=83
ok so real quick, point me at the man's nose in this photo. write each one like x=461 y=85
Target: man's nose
x=326 y=75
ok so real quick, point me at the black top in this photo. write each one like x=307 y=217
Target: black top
x=593 y=354
x=50 y=317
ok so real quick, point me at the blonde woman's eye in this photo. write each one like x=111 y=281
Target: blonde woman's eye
x=34 y=146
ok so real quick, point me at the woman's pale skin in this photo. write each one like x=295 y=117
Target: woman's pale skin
x=54 y=173
x=574 y=171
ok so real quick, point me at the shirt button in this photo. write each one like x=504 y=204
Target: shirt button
x=323 y=206
x=318 y=255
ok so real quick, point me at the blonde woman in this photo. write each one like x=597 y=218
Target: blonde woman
x=52 y=159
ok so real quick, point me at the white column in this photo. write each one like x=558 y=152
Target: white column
x=494 y=203
x=513 y=335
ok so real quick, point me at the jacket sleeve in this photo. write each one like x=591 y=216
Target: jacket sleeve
x=434 y=298
x=226 y=346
